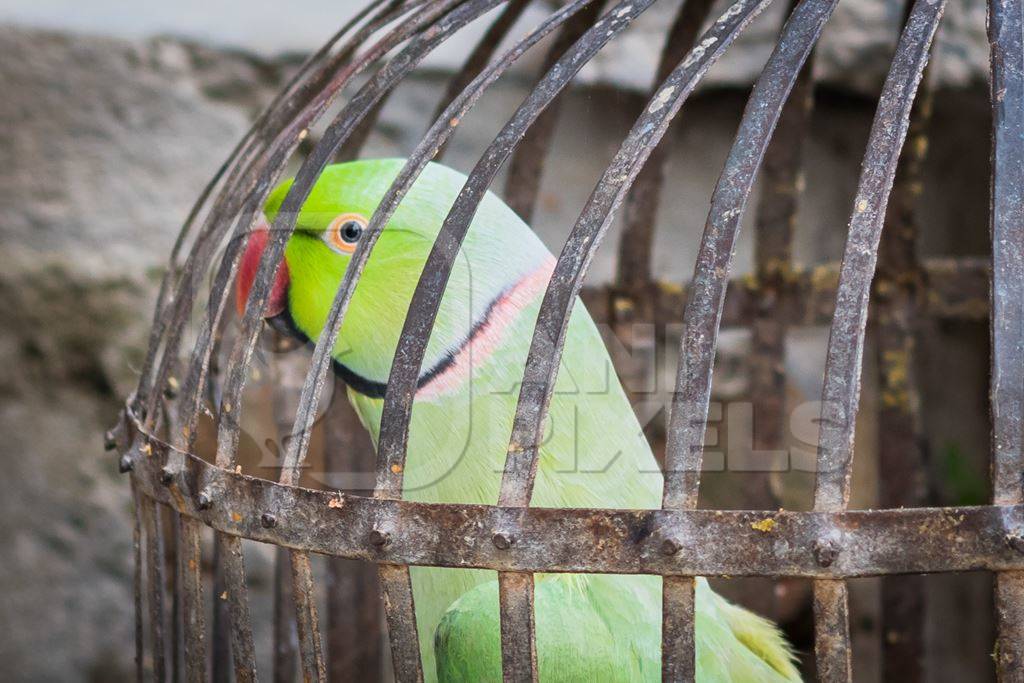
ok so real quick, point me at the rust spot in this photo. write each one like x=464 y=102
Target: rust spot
x=224 y=595
x=235 y=517
x=338 y=502
x=192 y=565
x=396 y=468
x=765 y=525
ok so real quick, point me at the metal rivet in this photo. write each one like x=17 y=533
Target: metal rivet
x=670 y=546
x=825 y=552
x=502 y=541
x=204 y=501
x=379 y=538
x=109 y=440
x=268 y=520
x=125 y=464
x=1015 y=541
x=167 y=476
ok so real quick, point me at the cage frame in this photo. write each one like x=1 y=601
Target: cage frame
x=829 y=544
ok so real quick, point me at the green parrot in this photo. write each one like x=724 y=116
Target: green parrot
x=589 y=626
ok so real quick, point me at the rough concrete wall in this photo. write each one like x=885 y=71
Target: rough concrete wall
x=106 y=144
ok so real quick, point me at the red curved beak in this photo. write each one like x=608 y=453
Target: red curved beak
x=247 y=273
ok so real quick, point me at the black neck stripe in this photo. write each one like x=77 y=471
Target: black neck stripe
x=284 y=323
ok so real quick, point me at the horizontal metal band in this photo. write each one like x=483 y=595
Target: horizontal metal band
x=675 y=542
x=950 y=289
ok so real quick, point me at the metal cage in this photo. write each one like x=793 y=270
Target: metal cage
x=156 y=435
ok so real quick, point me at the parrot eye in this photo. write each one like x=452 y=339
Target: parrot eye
x=344 y=231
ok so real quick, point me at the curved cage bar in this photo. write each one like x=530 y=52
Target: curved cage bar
x=180 y=392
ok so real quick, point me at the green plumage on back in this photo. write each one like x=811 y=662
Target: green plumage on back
x=589 y=627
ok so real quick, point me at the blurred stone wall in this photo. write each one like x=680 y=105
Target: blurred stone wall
x=107 y=142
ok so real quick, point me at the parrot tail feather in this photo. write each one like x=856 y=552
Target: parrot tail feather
x=761 y=637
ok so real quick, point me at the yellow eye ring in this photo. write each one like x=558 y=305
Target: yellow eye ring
x=344 y=232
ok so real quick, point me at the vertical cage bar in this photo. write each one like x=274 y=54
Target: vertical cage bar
x=190 y=571
x=518 y=627
x=175 y=590
x=221 y=627
x=311 y=654
x=400 y=609
x=526 y=167
x=705 y=303
x=243 y=652
x=678 y=647
x=841 y=391
x=832 y=631
x=640 y=212
x=633 y=268
x=137 y=522
x=901 y=454
x=1006 y=25
x=354 y=628
x=775 y=222
x=286 y=375
x=706 y=295
x=478 y=60
x=286 y=637
x=155 y=586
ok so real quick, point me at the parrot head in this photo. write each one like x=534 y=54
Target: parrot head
x=500 y=263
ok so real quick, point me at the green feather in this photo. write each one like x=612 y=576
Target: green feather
x=589 y=627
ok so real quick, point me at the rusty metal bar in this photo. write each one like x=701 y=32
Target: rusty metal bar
x=705 y=298
x=155 y=587
x=526 y=165
x=841 y=392
x=478 y=59
x=901 y=454
x=400 y=609
x=677 y=635
x=951 y=290
x=775 y=222
x=354 y=625
x=137 y=521
x=846 y=339
x=174 y=590
x=285 y=635
x=311 y=655
x=221 y=627
x=191 y=588
x=243 y=655
x=1005 y=22
x=640 y=212
x=518 y=626
x=832 y=631
x=705 y=301
x=873 y=542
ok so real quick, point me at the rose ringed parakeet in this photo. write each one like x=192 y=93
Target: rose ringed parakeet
x=589 y=626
